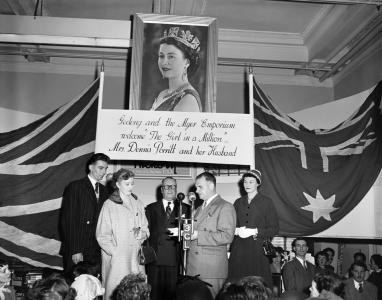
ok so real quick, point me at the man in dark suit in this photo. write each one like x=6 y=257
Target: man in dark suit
x=81 y=204
x=356 y=287
x=214 y=230
x=298 y=273
x=162 y=216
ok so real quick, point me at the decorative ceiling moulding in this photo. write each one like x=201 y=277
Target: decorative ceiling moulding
x=270 y=76
x=341 y=2
x=64 y=66
x=245 y=44
x=101 y=28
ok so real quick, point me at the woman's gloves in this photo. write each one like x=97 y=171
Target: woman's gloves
x=245 y=232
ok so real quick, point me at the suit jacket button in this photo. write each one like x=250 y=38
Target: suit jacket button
x=87 y=222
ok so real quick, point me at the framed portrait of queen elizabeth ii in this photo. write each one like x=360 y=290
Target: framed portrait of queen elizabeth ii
x=173 y=63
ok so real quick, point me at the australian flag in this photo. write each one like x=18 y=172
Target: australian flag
x=316 y=177
x=36 y=163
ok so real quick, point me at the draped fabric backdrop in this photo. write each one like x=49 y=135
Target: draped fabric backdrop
x=316 y=177
x=36 y=163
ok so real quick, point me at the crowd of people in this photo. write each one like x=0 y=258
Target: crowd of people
x=103 y=231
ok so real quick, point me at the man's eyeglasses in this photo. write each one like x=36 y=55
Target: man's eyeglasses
x=169 y=187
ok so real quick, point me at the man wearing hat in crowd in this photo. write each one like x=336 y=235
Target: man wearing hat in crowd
x=256 y=221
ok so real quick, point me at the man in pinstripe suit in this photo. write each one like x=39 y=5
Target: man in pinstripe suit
x=81 y=204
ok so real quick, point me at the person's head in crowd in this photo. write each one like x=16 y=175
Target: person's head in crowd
x=54 y=287
x=292 y=295
x=5 y=274
x=330 y=252
x=359 y=257
x=376 y=262
x=85 y=267
x=300 y=247
x=233 y=291
x=255 y=288
x=278 y=259
x=326 y=281
x=132 y=287
x=321 y=260
x=358 y=271
x=192 y=289
x=88 y=287
x=168 y=188
x=205 y=184
x=97 y=165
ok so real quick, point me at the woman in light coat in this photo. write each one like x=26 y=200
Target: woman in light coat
x=121 y=229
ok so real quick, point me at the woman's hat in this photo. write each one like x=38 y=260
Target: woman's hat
x=183 y=36
x=253 y=173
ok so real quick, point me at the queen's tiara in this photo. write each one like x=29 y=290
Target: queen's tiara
x=185 y=37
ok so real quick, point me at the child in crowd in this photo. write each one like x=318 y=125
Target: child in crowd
x=86 y=284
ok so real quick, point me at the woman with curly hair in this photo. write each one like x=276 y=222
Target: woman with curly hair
x=122 y=227
x=327 y=285
x=132 y=287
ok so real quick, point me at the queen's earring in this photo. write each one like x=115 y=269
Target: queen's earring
x=184 y=74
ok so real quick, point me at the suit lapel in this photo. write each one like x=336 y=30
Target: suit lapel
x=202 y=214
x=90 y=191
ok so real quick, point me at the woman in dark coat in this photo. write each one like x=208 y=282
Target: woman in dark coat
x=256 y=220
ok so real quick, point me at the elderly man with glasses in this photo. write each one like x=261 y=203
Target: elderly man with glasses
x=162 y=216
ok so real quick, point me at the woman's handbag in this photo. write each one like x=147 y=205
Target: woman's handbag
x=146 y=254
x=269 y=249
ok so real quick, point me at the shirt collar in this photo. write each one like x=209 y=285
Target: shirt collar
x=356 y=283
x=165 y=202
x=208 y=201
x=301 y=260
x=93 y=181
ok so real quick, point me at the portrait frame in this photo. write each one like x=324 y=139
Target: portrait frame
x=146 y=81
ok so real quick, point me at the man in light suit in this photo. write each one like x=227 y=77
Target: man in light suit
x=356 y=287
x=214 y=230
x=298 y=273
x=162 y=275
x=81 y=204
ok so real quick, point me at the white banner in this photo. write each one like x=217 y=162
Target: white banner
x=175 y=136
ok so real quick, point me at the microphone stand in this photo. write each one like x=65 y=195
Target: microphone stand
x=188 y=230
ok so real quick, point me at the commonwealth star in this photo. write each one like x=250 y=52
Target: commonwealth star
x=319 y=206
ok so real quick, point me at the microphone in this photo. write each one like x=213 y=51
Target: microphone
x=191 y=196
x=180 y=197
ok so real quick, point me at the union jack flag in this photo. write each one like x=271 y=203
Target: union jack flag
x=36 y=163
x=316 y=177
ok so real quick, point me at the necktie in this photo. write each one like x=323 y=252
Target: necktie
x=168 y=210
x=360 y=288
x=305 y=266
x=96 y=189
x=204 y=204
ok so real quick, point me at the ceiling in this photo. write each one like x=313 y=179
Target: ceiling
x=318 y=38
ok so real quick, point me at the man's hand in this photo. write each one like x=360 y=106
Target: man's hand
x=76 y=258
x=194 y=236
x=173 y=231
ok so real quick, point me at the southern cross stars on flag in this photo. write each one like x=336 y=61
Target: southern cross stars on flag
x=316 y=177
